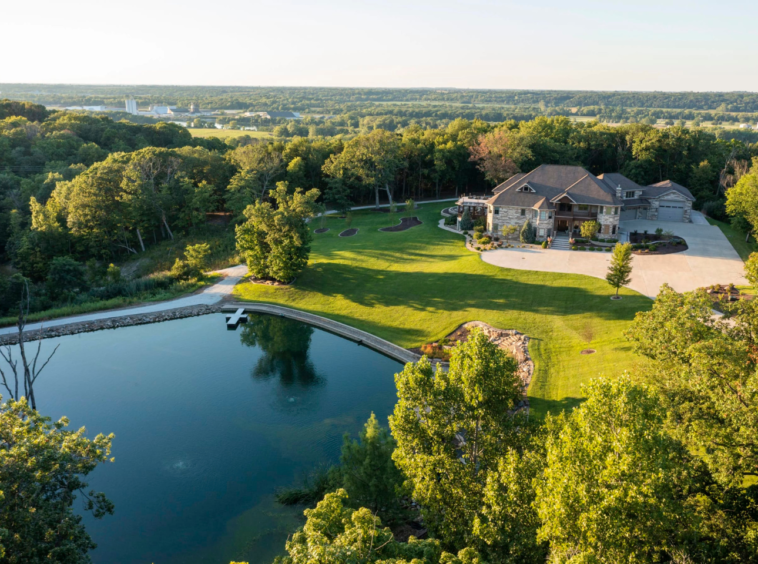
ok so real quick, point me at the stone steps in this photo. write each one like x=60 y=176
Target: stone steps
x=561 y=244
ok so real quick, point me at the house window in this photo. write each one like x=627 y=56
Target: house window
x=542 y=233
x=615 y=211
x=613 y=230
x=583 y=207
x=497 y=211
x=523 y=211
x=629 y=195
x=543 y=216
x=550 y=215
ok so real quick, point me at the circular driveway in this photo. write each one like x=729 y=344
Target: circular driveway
x=710 y=259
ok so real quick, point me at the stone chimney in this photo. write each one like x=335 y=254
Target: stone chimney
x=618 y=191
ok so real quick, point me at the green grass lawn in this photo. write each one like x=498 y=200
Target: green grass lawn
x=224 y=133
x=418 y=285
x=736 y=238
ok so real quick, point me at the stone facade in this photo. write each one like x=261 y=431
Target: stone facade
x=608 y=218
x=512 y=216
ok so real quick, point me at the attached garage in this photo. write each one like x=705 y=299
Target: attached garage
x=670 y=210
x=628 y=215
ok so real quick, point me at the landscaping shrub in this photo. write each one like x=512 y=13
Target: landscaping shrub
x=466 y=223
x=480 y=222
x=715 y=209
x=450 y=220
x=527 y=233
x=485 y=240
x=573 y=247
x=544 y=244
x=608 y=249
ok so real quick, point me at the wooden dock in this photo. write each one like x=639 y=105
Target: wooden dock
x=234 y=319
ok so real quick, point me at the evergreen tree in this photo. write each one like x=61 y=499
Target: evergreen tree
x=527 y=233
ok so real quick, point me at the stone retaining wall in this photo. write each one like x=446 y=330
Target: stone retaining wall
x=110 y=323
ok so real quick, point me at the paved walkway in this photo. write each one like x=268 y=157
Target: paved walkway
x=211 y=295
x=710 y=259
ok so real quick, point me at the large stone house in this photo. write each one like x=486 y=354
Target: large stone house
x=557 y=199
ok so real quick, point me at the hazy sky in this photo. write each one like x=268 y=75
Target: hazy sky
x=579 y=44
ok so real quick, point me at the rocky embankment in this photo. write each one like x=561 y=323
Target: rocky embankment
x=511 y=341
x=110 y=323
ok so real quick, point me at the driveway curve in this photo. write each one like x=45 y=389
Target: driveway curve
x=710 y=259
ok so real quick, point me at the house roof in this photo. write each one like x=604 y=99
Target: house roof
x=550 y=183
x=614 y=179
x=661 y=188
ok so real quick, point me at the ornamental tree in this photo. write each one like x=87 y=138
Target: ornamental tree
x=452 y=428
x=42 y=470
x=620 y=269
x=508 y=231
x=589 y=229
x=276 y=241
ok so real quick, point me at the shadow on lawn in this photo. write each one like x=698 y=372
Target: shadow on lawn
x=437 y=292
x=540 y=407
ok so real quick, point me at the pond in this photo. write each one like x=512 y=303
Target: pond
x=209 y=423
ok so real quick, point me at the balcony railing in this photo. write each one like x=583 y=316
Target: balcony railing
x=575 y=214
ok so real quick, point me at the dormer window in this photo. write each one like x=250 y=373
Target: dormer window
x=525 y=188
x=629 y=195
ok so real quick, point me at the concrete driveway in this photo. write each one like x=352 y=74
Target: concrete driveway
x=710 y=259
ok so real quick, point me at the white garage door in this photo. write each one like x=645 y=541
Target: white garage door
x=671 y=211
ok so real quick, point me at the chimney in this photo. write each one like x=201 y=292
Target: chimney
x=618 y=191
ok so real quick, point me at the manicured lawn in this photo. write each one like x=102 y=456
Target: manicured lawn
x=224 y=133
x=418 y=285
x=737 y=239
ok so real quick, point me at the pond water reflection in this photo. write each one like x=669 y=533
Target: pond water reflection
x=209 y=423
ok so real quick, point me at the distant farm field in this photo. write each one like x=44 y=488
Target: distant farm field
x=224 y=133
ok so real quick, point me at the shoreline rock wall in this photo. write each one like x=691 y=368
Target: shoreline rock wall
x=110 y=323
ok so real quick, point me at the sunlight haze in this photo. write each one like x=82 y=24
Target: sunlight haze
x=547 y=44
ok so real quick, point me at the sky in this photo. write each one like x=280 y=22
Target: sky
x=668 y=45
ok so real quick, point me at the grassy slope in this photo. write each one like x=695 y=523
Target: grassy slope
x=737 y=239
x=416 y=286
x=224 y=133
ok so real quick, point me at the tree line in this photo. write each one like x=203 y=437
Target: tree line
x=311 y=99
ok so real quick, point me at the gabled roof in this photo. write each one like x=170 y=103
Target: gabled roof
x=614 y=179
x=661 y=188
x=551 y=182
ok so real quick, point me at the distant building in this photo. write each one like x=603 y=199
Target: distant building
x=131 y=107
x=178 y=111
x=194 y=108
x=744 y=126
x=161 y=110
x=274 y=115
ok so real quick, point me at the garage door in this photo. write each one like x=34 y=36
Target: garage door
x=628 y=215
x=671 y=211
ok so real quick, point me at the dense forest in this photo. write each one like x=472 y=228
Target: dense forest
x=82 y=189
